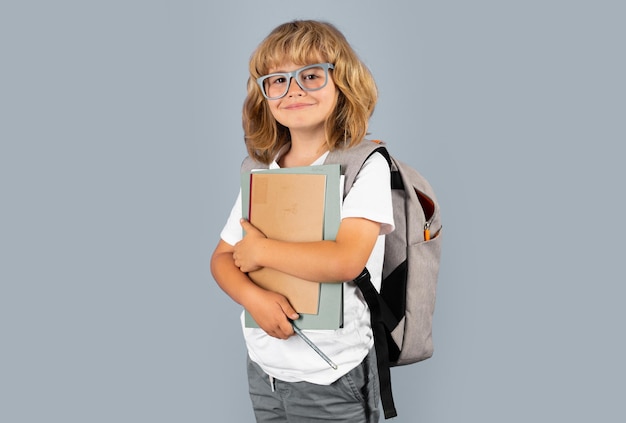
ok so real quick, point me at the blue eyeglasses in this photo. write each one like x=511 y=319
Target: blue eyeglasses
x=309 y=78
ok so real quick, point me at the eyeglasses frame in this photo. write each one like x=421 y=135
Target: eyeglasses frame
x=294 y=75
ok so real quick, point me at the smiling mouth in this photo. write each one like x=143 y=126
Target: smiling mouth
x=297 y=106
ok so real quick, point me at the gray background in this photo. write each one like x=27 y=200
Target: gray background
x=121 y=141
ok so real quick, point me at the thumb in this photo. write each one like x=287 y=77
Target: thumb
x=289 y=311
x=247 y=226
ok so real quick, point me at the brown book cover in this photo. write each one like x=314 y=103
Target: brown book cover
x=289 y=207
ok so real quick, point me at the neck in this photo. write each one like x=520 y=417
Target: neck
x=303 y=151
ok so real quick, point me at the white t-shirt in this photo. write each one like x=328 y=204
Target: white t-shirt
x=292 y=360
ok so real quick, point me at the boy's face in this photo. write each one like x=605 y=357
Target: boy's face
x=300 y=110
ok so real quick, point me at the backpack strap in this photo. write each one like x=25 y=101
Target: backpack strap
x=352 y=159
x=249 y=163
x=382 y=318
x=376 y=306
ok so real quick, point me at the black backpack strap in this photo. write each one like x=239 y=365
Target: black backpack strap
x=352 y=159
x=373 y=299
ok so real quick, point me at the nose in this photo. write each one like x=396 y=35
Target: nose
x=291 y=91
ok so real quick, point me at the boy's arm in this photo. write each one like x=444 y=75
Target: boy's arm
x=322 y=261
x=269 y=309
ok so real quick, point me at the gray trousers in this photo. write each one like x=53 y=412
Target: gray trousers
x=353 y=398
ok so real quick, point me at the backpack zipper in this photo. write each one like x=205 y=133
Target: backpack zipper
x=428 y=205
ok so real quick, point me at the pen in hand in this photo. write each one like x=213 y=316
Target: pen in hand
x=312 y=345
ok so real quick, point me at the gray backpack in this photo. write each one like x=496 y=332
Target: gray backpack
x=402 y=312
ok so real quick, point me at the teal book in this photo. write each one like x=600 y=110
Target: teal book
x=297 y=204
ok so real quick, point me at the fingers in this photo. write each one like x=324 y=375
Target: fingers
x=285 y=329
x=243 y=266
x=289 y=311
x=280 y=328
x=272 y=312
x=282 y=331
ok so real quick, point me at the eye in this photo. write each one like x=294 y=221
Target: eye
x=310 y=75
x=279 y=79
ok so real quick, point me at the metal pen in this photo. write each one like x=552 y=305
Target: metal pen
x=312 y=345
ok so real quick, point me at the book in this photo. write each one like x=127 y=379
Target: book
x=288 y=207
x=297 y=204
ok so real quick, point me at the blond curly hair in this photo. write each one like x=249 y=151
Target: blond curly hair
x=305 y=42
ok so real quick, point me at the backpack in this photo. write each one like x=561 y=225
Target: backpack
x=402 y=313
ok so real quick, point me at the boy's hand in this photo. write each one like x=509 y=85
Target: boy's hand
x=272 y=312
x=246 y=251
